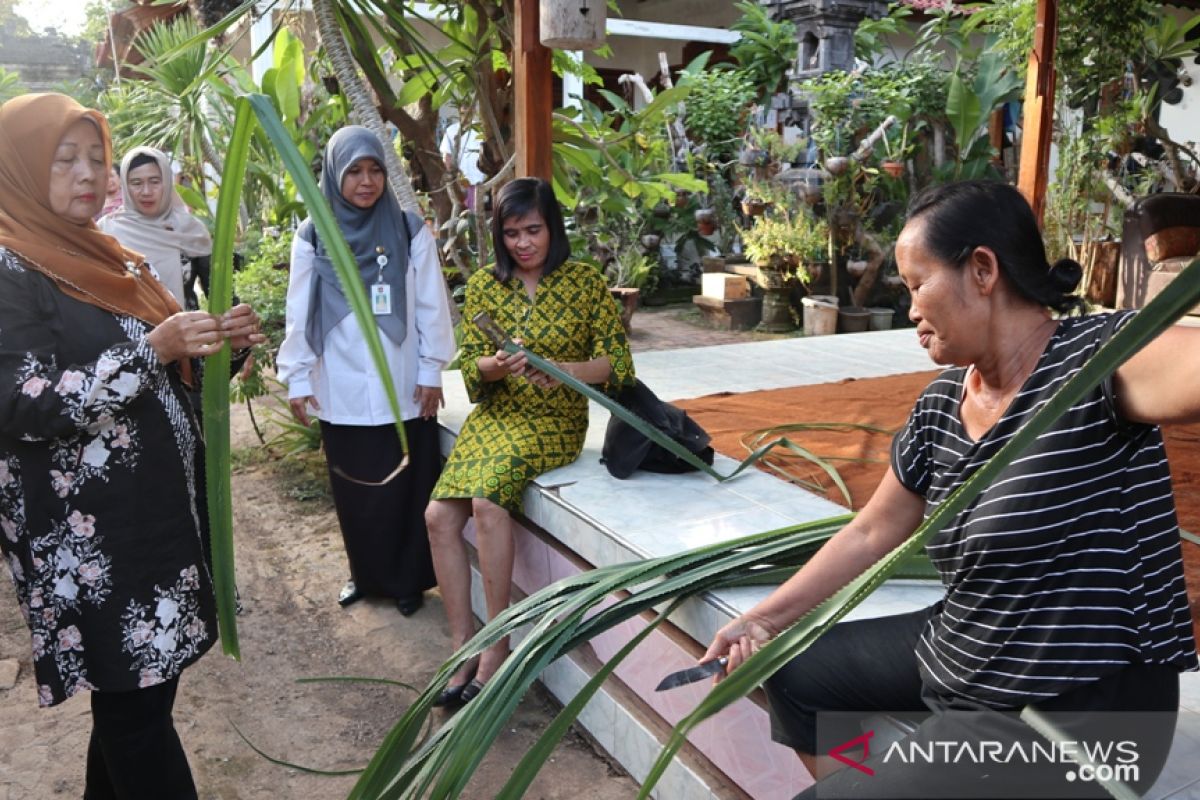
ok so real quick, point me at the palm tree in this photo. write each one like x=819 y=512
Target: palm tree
x=362 y=109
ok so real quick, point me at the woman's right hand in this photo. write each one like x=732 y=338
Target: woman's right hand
x=504 y=364
x=299 y=406
x=188 y=334
x=738 y=640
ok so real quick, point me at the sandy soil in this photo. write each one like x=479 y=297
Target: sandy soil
x=290 y=568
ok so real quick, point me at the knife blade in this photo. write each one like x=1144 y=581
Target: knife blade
x=692 y=674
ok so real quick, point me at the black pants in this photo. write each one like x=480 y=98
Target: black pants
x=134 y=752
x=862 y=676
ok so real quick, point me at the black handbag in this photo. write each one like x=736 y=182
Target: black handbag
x=625 y=449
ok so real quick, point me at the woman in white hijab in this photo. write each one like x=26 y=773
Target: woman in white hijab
x=155 y=221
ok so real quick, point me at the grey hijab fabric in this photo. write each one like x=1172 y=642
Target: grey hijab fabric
x=382 y=225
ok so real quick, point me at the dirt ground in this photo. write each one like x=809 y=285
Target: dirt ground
x=290 y=568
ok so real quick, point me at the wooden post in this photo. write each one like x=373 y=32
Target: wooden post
x=1039 y=109
x=533 y=86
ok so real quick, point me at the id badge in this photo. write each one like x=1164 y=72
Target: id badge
x=381 y=299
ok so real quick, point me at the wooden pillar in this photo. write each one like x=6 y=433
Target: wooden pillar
x=1039 y=109
x=533 y=86
x=996 y=137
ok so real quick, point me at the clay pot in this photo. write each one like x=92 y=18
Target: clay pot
x=893 y=168
x=753 y=208
x=837 y=165
x=627 y=298
x=810 y=193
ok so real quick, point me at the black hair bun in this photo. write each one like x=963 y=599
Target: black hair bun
x=1066 y=274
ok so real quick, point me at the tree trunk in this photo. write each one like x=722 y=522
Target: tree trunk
x=362 y=108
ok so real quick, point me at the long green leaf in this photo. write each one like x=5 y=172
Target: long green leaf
x=455 y=749
x=215 y=395
x=290 y=765
x=339 y=252
x=1161 y=313
x=531 y=763
x=640 y=425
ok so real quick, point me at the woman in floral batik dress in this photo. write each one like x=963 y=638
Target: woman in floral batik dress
x=101 y=513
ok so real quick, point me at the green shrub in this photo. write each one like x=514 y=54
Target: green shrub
x=716 y=109
x=262 y=282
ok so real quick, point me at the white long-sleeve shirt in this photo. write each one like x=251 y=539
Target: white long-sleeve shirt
x=343 y=379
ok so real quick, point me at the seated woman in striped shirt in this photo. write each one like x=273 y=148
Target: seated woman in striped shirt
x=1064 y=579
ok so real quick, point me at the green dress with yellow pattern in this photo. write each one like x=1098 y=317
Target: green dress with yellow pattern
x=518 y=431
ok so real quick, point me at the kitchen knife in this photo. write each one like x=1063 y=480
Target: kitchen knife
x=692 y=674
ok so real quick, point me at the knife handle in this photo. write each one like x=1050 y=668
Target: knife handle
x=494 y=332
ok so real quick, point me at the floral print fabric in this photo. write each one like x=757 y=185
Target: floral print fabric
x=100 y=524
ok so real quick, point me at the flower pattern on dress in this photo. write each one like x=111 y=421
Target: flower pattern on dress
x=111 y=442
x=92 y=422
x=163 y=635
x=88 y=396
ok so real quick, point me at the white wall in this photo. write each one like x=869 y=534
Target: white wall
x=641 y=55
x=1182 y=121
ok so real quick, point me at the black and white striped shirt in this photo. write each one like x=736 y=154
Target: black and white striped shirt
x=1068 y=566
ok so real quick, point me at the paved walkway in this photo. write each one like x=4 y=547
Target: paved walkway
x=680 y=325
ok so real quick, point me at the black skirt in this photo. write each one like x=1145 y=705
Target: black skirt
x=383 y=527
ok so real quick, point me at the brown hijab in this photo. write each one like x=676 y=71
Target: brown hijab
x=85 y=263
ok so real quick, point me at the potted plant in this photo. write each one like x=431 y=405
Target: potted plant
x=758 y=196
x=895 y=148
x=790 y=241
x=785 y=244
x=628 y=273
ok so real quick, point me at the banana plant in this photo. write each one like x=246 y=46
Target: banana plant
x=572 y=611
x=971 y=100
x=251 y=111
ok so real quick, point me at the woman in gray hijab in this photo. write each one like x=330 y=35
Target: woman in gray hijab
x=329 y=372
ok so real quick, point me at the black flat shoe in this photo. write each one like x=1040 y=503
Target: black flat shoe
x=470 y=692
x=451 y=696
x=410 y=605
x=349 y=594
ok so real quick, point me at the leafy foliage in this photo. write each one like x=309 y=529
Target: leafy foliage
x=848 y=105
x=787 y=236
x=621 y=169
x=10 y=85
x=766 y=49
x=1095 y=40
x=262 y=282
x=716 y=110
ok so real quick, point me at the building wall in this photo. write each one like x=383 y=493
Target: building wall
x=43 y=62
x=1182 y=121
x=632 y=54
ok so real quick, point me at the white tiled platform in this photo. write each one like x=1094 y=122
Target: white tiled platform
x=604 y=521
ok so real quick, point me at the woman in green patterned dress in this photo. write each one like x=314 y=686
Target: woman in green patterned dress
x=524 y=422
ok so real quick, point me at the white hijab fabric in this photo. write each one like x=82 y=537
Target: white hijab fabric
x=165 y=237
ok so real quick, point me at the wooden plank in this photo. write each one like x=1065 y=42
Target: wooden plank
x=1039 y=109
x=534 y=101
